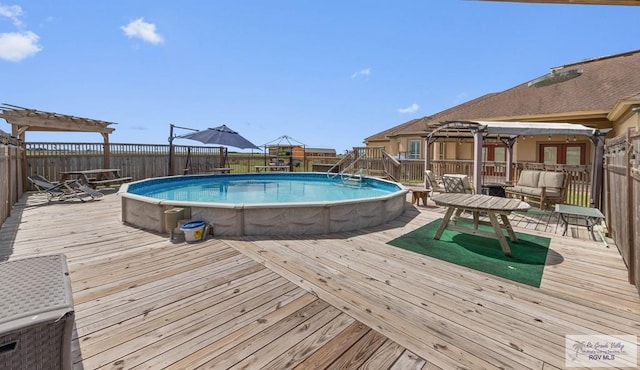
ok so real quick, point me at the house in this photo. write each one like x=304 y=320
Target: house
x=601 y=93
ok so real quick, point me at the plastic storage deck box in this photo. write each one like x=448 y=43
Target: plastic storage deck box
x=36 y=313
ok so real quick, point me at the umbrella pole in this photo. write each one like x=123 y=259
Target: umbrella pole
x=171 y=154
x=170 y=166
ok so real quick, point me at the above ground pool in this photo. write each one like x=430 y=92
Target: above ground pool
x=265 y=203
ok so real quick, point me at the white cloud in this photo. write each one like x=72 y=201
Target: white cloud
x=12 y=12
x=15 y=46
x=410 y=109
x=366 y=72
x=142 y=30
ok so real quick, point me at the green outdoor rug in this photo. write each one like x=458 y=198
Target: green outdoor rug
x=479 y=253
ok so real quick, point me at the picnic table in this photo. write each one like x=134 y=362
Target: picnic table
x=215 y=170
x=96 y=177
x=476 y=204
x=272 y=168
x=220 y=170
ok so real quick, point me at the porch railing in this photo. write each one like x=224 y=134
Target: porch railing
x=370 y=161
x=579 y=192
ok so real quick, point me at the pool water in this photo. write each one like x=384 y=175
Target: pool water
x=262 y=189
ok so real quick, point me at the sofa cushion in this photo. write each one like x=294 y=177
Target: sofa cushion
x=526 y=190
x=551 y=179
x=529 y=178
x=552 y=193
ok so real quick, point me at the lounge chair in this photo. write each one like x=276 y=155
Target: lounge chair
x=457 y=184
x=71 y=189
x=431 y=183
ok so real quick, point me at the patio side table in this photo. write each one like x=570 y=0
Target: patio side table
x=36 y=313
x=581 y=216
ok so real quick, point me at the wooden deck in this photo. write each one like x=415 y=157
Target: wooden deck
x=333 y=301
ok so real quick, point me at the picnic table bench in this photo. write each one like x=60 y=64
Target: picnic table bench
x=97 y=177
x=272 y=168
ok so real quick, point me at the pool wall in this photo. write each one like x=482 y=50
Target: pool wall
x=267 y=219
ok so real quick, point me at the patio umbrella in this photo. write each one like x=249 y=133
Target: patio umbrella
x=221 y=135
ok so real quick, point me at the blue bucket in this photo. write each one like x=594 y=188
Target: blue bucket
x=193 y=231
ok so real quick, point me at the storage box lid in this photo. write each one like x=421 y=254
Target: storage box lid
x=34 y=290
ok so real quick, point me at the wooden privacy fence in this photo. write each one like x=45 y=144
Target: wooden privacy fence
x=10 y=174
x=622 y=198
x=138 y=161
x=141 y=161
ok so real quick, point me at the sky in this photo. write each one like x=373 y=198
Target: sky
x=324 y=73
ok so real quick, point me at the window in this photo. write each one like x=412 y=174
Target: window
x=494 y=153
x=571 y=154
x=497 y=154
x=414 y=149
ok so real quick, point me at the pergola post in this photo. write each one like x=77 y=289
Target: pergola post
x=427 y=156
x=477 y=160
x=597 y=169
x=18 y=133
x=509 y=143
x=106 y=151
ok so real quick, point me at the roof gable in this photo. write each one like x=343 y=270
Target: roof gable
x=603 y=82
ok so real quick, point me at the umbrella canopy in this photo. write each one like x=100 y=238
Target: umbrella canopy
x=221 y=135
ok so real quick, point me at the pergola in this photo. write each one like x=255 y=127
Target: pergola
x=25 y=119
x=507 y=133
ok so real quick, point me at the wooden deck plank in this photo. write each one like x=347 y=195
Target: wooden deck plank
x=386 y=356
x=333 y=350
x=289 y=334
x=409 y=361
x=143 y=301
x=299 y=352
x=591 y=314
x=417 y=265
x=185 y=312
x=448 y=307
x=196 y=351
x=360 y=351
x=184 y=324
x=373 y=305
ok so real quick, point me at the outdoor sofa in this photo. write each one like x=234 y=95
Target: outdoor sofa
x=544 y=188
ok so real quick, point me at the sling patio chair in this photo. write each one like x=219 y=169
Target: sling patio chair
x=71 y=189
x=454 y=183
x=432 y=183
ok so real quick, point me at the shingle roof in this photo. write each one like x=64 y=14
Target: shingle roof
x=592 y=2
x=604 y=81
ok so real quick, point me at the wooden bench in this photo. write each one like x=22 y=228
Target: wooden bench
x=544 y=188
x=108 y=182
